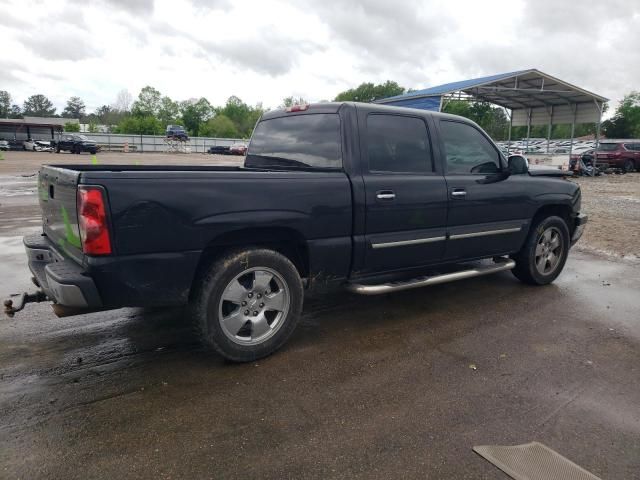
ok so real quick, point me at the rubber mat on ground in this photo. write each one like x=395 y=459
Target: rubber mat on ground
x=533 y=461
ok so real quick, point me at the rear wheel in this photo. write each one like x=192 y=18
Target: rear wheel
x=248 y=304
x=544 y=253
x=629 y=166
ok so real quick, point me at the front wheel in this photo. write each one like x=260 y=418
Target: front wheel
x=248 y=303
x=629 y=166
x=544 y=253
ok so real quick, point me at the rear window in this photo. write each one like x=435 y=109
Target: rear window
x=607 y=147
x=301 y=141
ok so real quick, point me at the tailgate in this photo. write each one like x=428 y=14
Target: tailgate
x=57 y=189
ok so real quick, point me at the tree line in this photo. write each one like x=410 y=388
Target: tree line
x=151 y=112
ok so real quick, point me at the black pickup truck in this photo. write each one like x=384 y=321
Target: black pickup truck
x=370 y=198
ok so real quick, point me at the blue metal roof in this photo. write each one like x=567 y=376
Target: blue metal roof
x=423 y=103
x=453 y=86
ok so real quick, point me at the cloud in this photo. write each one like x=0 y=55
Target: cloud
x=379 y=30
x=268 y=52
x=7 y=77
x=586 y=17
x=61 y=42
x=132 y=6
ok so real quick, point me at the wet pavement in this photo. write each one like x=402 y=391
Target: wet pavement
x=397 y=386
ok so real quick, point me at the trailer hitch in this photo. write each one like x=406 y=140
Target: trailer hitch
x=10 y=308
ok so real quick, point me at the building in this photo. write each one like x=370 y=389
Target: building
x=37 y=128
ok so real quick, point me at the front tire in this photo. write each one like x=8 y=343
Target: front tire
x=544 y=253
x=629 y=166
x=248 y=303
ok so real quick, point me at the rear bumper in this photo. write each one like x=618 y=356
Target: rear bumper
x=62 y=280
x=146 y=280
x=580 y=223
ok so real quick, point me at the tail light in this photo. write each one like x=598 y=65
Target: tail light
x=92 y=220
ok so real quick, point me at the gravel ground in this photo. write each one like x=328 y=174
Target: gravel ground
x=613 y=205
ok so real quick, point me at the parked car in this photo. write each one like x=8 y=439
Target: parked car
x=74 y=143
x=16 y=145
x=177 y=132
x=37 y=145
x=367 y=197
x=238 y=149
x=219 y=150
x=622 y=154
x=4 y=145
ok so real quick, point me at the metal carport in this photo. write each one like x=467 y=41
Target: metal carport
x=39 y=128
x=531 y=97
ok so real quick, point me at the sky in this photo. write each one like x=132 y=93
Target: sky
x=266 y=50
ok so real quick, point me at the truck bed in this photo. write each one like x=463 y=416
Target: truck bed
x=162 y=219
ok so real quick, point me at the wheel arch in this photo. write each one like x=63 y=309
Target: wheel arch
x=561 y=210
x=284 y=240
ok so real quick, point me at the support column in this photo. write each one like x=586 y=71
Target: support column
x=526 y=145
x=510 y=126
x=549 y=126
x=573 y=128
x=599 y=107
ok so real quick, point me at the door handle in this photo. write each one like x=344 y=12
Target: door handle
x=385 y=195
x=459 y=193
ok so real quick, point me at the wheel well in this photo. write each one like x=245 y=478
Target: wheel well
x=286 y=241
x=562 y=211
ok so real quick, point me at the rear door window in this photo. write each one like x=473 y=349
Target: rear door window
x=398 y=144
x=297 y=141
x=467 y=150
x=607 y=147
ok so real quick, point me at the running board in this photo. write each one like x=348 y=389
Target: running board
x=500 y=265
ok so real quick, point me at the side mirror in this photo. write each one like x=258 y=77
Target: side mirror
x=518 y=165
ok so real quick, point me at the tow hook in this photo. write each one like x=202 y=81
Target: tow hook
x=10 y=308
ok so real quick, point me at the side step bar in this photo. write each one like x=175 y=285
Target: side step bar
x=500 y=265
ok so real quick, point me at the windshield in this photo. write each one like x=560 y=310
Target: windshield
x=607 y=147
x=82 y=137
x=297 y=141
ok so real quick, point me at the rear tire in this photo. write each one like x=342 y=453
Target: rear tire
x=544 y=253
x=247 y=304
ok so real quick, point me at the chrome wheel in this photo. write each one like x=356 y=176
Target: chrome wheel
x=254 y=306
x=549 y=251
